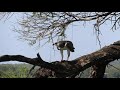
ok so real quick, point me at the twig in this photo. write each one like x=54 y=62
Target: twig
x=114 y=67
x=31 y=70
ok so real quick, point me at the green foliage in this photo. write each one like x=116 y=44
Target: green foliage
x=15 y=70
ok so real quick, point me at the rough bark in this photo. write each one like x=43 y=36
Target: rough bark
x=69 y=69
x=98 y=70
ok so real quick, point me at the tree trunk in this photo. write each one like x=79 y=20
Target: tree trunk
x=98 y=70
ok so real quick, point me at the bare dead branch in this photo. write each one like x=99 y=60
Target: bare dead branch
x=37 y=26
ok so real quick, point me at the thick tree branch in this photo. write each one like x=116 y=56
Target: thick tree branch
x=72 y=68
x=19 y=58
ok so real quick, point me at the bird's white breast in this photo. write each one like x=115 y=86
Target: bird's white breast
x=64 y=48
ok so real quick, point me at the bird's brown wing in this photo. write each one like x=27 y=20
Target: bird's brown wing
x=70 y=46
x=62 y=44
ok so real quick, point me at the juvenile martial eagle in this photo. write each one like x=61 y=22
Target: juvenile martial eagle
x=65 y=45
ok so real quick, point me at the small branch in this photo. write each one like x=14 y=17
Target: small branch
x=31 y=70
x=114 y=67
x=39 y=57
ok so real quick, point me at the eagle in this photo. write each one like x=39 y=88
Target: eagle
x=64 y=45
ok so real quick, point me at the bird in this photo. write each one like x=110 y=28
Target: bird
x=64 y=45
